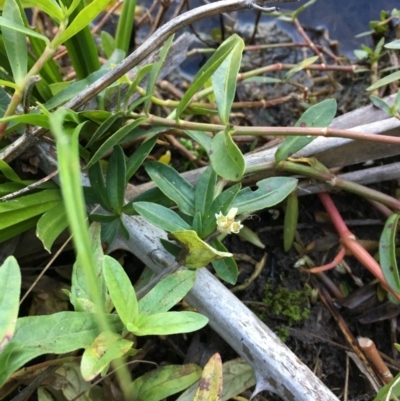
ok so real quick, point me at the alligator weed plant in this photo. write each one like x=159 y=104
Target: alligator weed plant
x=83 y=147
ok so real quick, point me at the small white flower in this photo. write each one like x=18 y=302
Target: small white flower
x=227 y=224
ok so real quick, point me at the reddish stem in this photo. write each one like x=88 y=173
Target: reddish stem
x=348 y=241
x=338 y=258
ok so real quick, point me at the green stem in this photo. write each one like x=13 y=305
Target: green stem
x=337 y=182
x=262 y=131
x=19 y=93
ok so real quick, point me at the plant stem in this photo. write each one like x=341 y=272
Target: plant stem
x=348 y=241
x=19 y=93
x=337 y=182
x=261 y=131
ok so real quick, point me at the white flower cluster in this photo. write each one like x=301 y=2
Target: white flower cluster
x=227 y=224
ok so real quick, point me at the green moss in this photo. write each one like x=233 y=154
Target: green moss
x=285 y=303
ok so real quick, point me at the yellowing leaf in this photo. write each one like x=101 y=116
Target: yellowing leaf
x=165 y=158
x=210 y=386
x=196 y=253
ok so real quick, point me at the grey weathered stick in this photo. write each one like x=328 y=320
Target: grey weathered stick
x=155 y=41
x=277 y=368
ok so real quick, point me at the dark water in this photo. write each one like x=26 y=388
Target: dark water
x=343 y=18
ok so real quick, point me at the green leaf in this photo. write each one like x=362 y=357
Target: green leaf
x=172 y=185
x=210 y=385
x=98 y=186
x=108 y=43
x=28 y=206
x=320 y=115
x=125 y=25
x=167 y=323
x=224 y=81
x=161 y=217
x=390 y=391
x=10 y=289
x=110 y=230
x=139 y=156
x=226 y=158
x=112 y=124
x=395 y=76
x=58 y=333
x=6 y=23
x=155 y=71
x=196 y=253
x=226 y=268
x=75 y=88
x=15 y=41
x=31 y=119
x=393 y=45
x=206 y=71
x=201 y=138
x=291 y=218
x=204 y=192
x=222 y=204
x=51 y=8
x=121 y=290
x=270 y=192
x=238 y=376
x=113 y=140
x=387 y=253
x=141 y=73
x=300 y=66
x=167 y=292
x=51 y=225
x=380 y=104
x=246 y=234
x=81 y=296
x=197 y=224
x=105 y=348
x=163 y=382
x=115 y=181
x=9 y=173
x=84 y=18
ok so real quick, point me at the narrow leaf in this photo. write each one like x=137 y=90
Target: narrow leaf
x=270 y=192
x=121 y=290
x=51 y=225
x=226 y=158
x=105 y=348
x=167 y=292
x=224 y=81
x=206 y=71
x=115 y=181
x=226 y=268
x=161 y=216
x=300 y=66
x=155 y=71
x=114 y=140
x=167 y=323
x=210 y=385
x=10 y=288
x=395 y=76
x=15 y=41
x=290 y=223
x=387 y=253
x=320 y=115
x=139 y=156
x=204 y=193
x=172 y=185
x=84 y=18
x=159 y=384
